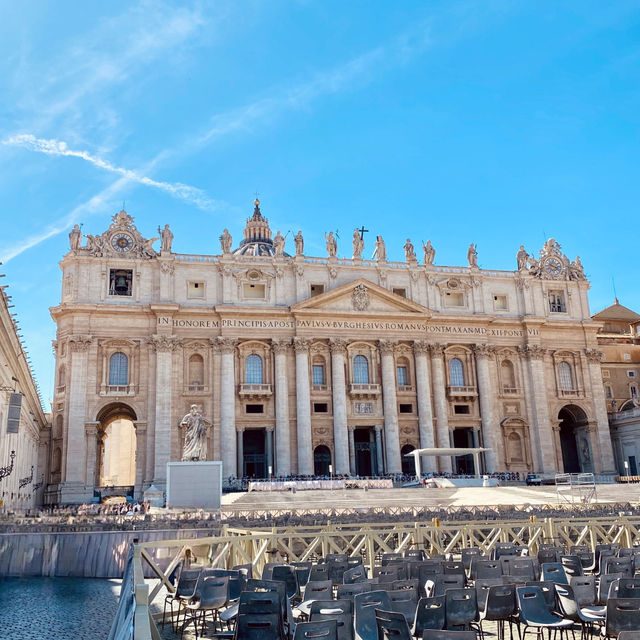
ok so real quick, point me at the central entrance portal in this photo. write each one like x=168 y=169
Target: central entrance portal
x=255 y=457
x=366 y=453
x=463 y=438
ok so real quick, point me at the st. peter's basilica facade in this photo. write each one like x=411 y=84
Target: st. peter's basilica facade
x=296 y=363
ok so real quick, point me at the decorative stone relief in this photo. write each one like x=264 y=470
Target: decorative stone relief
x=594 y=355
x=80 y=342
x=532 y=351
x=167 y=267
x=337 y=345
x=301 y=344
x=360 y=299
x=386 y=346
x=483 y=350
x=160 y=343
x=280 y=345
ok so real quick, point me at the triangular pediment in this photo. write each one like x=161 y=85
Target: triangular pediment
x=360 y=297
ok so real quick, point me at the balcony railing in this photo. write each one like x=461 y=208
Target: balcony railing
x=510 y=391
x=461 y=392
x=320 y=387
x=118 y=390
x=361 y=389
x=255 y=389
x=196 y=388
x=570 y=393
x=405 y=388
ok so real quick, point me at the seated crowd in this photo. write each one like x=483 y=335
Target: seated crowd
x=409 y=595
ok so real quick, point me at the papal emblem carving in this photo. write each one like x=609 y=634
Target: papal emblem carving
x=360 y=298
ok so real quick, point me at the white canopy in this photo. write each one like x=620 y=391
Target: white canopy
x=447 y=451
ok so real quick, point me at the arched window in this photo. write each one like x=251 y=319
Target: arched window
x=118 y=370
x=196 y=370
x=456 y=372
x=360 y=370
x=321 y=460
x=565 y=374
x=253 y=369
x=508 y=375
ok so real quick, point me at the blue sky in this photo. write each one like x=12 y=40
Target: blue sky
x=501 y=123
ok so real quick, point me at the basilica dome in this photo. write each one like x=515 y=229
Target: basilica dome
x=257 y=236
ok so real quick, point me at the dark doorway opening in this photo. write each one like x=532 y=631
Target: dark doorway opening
x=321 y=460
x=408 y=464
x=463 y=437
x=254 y=458
x=365 y=451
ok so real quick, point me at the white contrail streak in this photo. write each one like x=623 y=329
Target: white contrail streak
x=60 y=148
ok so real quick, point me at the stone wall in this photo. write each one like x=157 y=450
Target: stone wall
x=101 y=554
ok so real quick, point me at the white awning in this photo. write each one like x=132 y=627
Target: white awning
x=442 y=451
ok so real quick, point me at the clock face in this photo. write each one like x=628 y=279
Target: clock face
x=122 y=242
x=553 y=266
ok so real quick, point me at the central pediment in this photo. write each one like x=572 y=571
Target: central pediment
x=361 y=297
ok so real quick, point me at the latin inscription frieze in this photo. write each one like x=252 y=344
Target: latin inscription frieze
x=345 y=325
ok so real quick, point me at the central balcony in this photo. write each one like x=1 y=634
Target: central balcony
x=255 y=390
x=462 y=392
x=364 y=390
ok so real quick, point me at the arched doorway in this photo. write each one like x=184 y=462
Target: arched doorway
x=575 y=442
x=321 y=460
x=116 y=452
x=408 y=464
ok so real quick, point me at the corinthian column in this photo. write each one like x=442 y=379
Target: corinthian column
x=77 y=385
x=303 y=407
x=490 y=425
x=340 y=436
x=228 y=407
x=390 y=403
x=352 y=450
x=164 y=347
x=423 y=394
x=604 y=462
x=283 y=439
x=440 y=402
x=543 y=438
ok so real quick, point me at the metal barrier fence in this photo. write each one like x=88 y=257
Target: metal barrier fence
x=369 y=541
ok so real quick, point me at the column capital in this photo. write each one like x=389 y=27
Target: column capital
x=594 y=355
x=270 y=428
x=532 y=351
x=378 y=428
x=162 y=343
x=226 y=344
x=387 y=347
x=91 y=428
x=421 y=346
x=351 y=428
x=483 y=350
x=80 y=342
x=280 y=345
x=240 y=429
x=436 y=349
x=337 y=345
x=301 y=345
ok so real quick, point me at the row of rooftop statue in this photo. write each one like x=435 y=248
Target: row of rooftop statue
x=122 y=236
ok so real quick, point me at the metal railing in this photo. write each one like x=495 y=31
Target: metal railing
x=369 y=541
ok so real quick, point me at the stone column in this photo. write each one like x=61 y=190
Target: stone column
x=77 y=384
x=379 y=456
x=390 y=404
x=91 y=431
x=543 y=438
x=228 y=407
x=603 y=463
x=423 y=394
x=163 y=345
x=269 y=448
x=352 y=450
x=490 y=426
x=283 y=438
x=240 y=450
x=441 y=406
x=340 y=437
x=141 y=458
x=303 y=407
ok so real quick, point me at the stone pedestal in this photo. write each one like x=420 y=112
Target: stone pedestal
x=196 y=485
x=154 y=496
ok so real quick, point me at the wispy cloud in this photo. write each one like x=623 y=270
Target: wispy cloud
x=96 y=204
x=358 y=71
x=184 y=192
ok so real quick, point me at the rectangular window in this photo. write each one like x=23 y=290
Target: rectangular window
x=500 y=302
x=120 y=282
x=400 y=292
x=406 y=408
x=318 y=373
x=317 y=289
x=195 y=290
x=454 y=299
x=402 y=376
x=627 y=356
x=634 y=391
x=605 y=373
x=253 y=291
x=556 y=302
x=461 y=408
x=320 y=407
x=608 y=391
x=631 y=374
x=254 y=408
